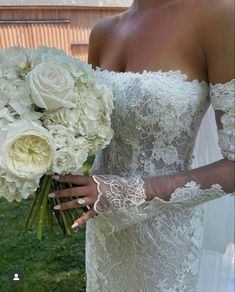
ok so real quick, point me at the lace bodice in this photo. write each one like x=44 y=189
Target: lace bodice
x=143 y=246
x=155 y=120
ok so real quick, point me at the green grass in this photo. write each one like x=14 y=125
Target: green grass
x=56 y=263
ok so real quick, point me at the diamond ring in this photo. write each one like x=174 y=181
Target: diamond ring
x=81 y=201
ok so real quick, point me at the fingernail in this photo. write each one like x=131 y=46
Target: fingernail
x=74 y=225
x=56 y=177
x=51 y=195
x=57 y=207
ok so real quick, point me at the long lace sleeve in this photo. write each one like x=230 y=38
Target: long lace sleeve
x=127 y=200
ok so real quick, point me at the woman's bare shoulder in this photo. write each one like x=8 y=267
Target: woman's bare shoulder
x=99 y=36
x=104 y=26
x=218 y=35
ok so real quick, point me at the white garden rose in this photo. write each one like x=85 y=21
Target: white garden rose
x=26 y=149
x=70 y=160
x=52 y=86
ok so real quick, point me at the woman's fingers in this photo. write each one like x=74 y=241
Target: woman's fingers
x=85 y=217
x=74 y=204
x=71 y=192
x=74 y=179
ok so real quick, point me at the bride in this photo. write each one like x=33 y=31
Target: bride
x=165 y=61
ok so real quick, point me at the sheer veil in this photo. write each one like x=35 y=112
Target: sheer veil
x=217 y=262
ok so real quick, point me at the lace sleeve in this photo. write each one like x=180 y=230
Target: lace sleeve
x=125 y=201
x=223 y=99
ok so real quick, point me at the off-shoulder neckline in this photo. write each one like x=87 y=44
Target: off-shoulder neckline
x=178 y=72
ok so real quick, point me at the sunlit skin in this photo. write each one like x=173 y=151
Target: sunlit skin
x=193 y=36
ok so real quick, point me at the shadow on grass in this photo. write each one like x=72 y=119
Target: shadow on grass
x=57 y=262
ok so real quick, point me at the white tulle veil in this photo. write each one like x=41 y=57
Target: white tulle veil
x=217 y=262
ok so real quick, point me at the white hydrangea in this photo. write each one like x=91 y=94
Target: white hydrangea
x=15 y=188
x=63 y=137
x=65 y=117
x=14 y=62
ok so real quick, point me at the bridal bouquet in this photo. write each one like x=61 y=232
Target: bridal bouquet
x=54 y=117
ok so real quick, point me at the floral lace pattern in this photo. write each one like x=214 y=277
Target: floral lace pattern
x=223 y=99
x=135 y=244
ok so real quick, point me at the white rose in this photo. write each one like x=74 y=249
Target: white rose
x=52 y=86
x=26 y=149
x=65 y=161
x=63 y=136
x=70 y=160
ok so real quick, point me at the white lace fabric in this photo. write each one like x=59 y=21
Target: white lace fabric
x=222 y=99
x=119 y=193
x=136 y=244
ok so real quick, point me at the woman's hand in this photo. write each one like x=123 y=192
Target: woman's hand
x=85 y=192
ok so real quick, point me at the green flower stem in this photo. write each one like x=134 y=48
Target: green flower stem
x=43 y=207
x=38 y=201
x=88 y=164
x=64 y=219
x=49 y=216
x=28 y=225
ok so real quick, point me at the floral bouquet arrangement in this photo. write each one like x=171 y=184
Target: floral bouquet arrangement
x=54 y=118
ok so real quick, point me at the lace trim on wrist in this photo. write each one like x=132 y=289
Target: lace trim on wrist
x=118 y=193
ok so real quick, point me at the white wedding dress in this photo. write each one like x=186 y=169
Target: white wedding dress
x=155 y=120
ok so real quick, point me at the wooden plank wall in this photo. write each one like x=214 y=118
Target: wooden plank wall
x=71 y=36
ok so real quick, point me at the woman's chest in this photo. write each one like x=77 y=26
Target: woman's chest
x=166 y=41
